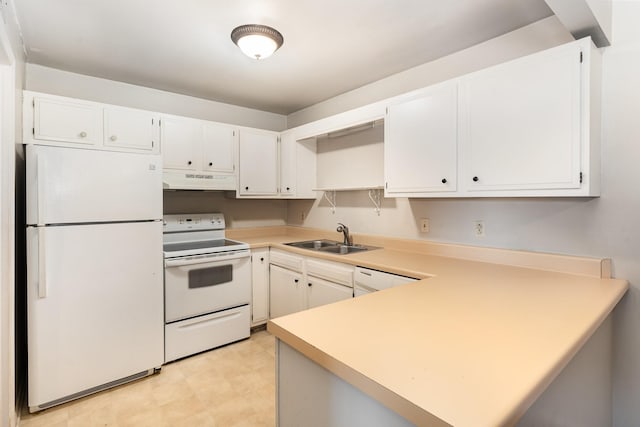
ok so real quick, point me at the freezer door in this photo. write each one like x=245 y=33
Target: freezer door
x=98 y=315
x=71 y=185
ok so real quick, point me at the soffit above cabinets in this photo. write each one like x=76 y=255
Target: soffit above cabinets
x=330 y=46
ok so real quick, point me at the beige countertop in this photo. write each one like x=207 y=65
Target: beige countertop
x=474 y=344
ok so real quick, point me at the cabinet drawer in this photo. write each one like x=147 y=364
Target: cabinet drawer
x=333 y=271
x=202 y=333
x=286 y=260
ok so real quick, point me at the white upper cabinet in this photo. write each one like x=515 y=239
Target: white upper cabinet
x=297 y=167
x=521 y=123
x=258 y=163
x=128 y=128
x=198 y=154
x=420 y=145
x=219 y=147
x=526 y=128
x=181 y=140
x=288 y=164
x=58 y=120
x=67 y=121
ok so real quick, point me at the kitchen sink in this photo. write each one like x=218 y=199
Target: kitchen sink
x=314 y=244
x=330 y=246
x=344 y=249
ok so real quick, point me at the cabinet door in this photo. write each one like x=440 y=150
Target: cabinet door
x=285 y=292
x=287 y=164
x=321 y=292
x=306 y=168
x=128 y=128
x=218 y=148
x=258 y=163
x=259 y=286
x=420 y=145
x=181 y=140
x=67 y=121
x=521 y=123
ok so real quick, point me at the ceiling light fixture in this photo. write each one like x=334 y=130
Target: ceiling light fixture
x=257 y=41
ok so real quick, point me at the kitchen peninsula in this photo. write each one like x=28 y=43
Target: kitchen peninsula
x=474 y=344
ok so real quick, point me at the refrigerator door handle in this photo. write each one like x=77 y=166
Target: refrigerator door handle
x=42 y=264
x=40 y=183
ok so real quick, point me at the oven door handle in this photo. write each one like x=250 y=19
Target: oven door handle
x=205 y=259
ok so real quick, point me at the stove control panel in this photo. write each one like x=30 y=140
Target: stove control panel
x=193 y=222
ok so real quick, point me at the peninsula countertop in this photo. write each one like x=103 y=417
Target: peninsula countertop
x=475 y=343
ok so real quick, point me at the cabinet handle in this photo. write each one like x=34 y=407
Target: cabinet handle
x=113 y=137
x=444 y=180
x=210 y=163
x=475 y=179
x=83 y=134
x=189 y=162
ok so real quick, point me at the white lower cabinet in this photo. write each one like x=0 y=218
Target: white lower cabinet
x=297 y=283
x=285 y=291
x=321 y=292
x=259 y=286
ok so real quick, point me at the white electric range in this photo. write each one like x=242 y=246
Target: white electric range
x=207 y=285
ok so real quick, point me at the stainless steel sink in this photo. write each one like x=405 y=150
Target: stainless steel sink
x=344 y=249
x=313 y=244
x=330 y=246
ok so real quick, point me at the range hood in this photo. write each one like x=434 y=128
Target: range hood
x=188 y=180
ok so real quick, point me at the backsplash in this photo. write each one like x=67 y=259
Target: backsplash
x=238 y=213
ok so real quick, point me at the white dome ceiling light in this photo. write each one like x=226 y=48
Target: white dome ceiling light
x=257 y=41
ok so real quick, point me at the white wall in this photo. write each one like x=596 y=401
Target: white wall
x=58 y=82
x=11 y=80
x=532 y=38
x=604 y=227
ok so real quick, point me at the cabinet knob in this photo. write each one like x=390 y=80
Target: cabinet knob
x=189 y=162
x=475 y=179
x=296 y=280
x=288 y=188
x=83 y=134
x=210 y=163
x=444 y=180
x=113 y=137
x=261 y=259
x=246 y=188
x=309 y=284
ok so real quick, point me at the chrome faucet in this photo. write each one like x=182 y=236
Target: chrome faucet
x=348 y=240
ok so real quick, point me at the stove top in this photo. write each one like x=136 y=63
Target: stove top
x=196 y=234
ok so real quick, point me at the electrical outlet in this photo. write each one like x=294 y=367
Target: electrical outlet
x=478 y=228
x=424 y=225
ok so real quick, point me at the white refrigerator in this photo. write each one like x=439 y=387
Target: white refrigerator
x=94 y=270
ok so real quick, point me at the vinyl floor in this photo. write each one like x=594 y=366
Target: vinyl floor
x=231 y=386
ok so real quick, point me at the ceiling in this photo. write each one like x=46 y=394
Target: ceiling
x=330 y=46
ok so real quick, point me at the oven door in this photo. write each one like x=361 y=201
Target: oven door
x=202 y=284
